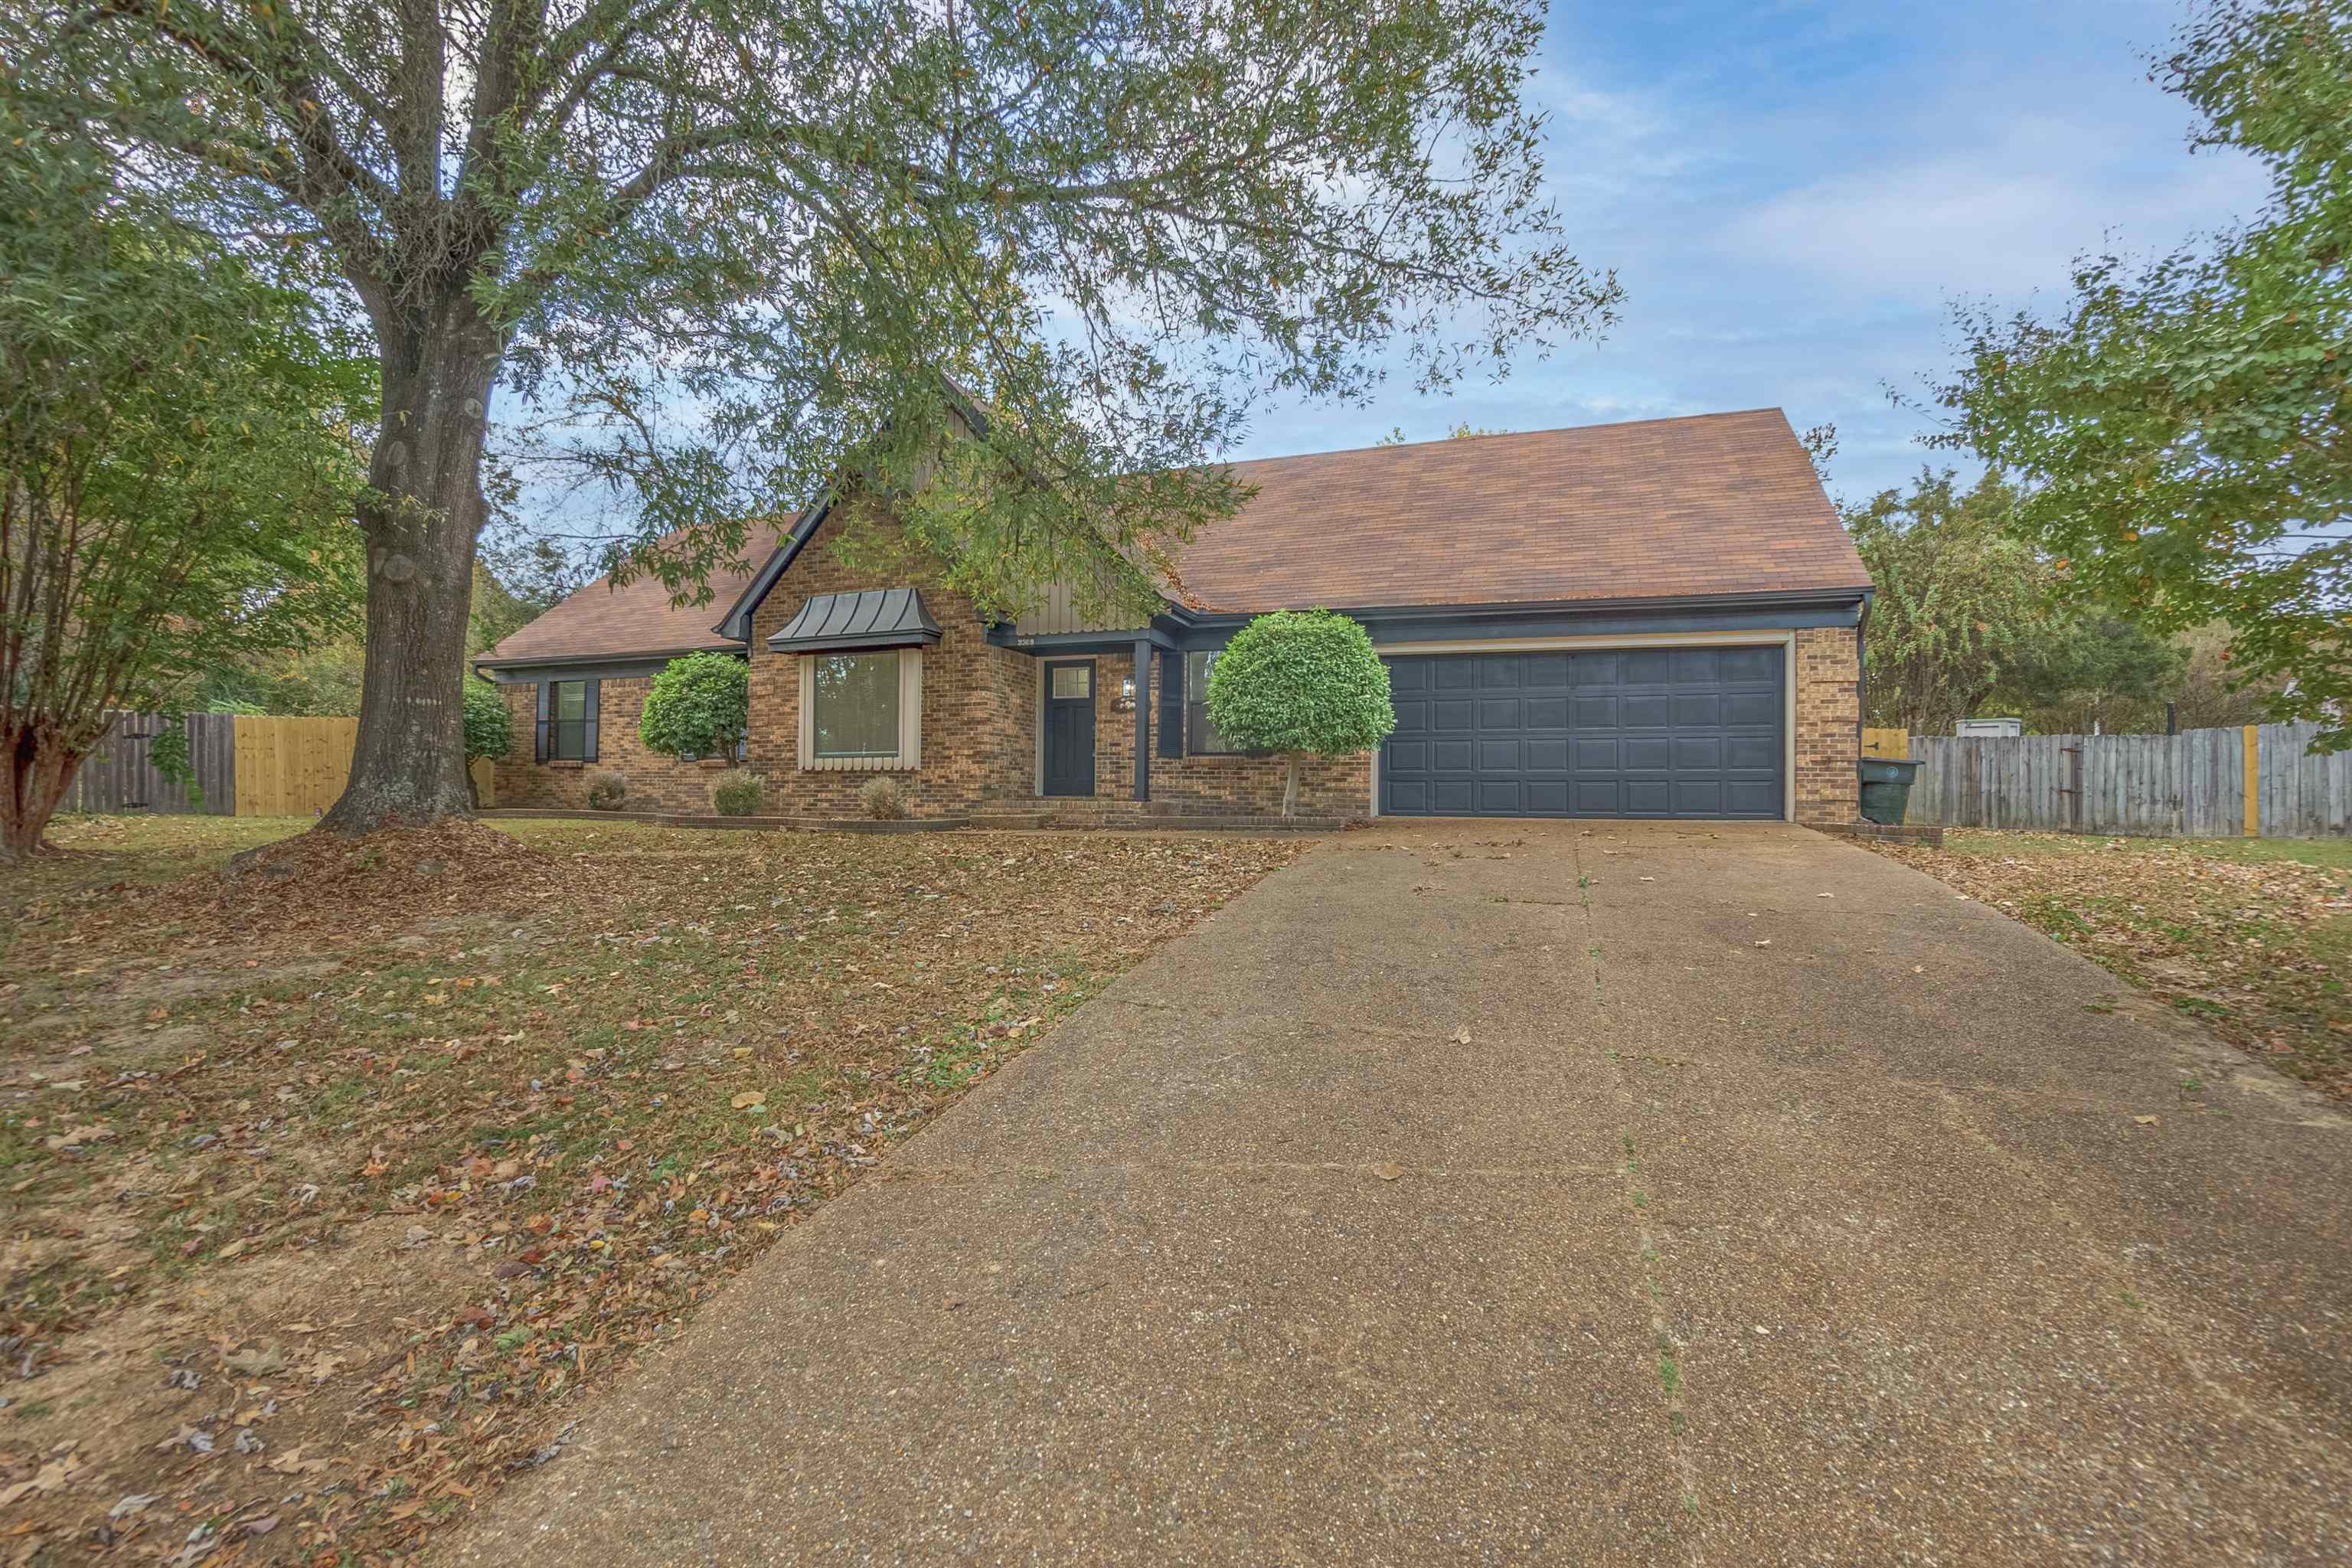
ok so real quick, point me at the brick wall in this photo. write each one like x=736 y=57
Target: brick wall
x=1828 y=673
x=656 y=783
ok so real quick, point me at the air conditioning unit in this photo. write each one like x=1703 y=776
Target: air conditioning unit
x=1988 y=729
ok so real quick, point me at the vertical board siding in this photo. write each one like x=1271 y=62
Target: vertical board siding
x=2190 y=785
x=292 y=767
x=118 y=776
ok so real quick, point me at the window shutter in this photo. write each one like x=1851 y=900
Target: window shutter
x=539 y=747
x=588 y=709
x=1171 y=705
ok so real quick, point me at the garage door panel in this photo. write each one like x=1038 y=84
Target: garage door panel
x=1645 y=711
x=1698 y=710
x=1693 y=732
x=1646 y=754
x=1501 y=714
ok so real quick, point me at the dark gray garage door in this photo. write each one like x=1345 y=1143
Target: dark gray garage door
x=1635 y=732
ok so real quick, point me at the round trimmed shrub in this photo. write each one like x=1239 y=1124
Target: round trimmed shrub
x=607 y=791
x=1300 y=683
x=698 y=706
x=738 y=793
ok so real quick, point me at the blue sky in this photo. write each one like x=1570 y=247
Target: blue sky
x=1792 y=193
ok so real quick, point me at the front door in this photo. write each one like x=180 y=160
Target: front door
x=1070 y=728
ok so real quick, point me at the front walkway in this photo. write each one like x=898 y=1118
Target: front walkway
x=1539 y=1193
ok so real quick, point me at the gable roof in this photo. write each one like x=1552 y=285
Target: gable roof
x=635 y=620
x=1712 y=504
x=1715 y=503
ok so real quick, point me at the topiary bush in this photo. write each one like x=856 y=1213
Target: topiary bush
x=698 y=706
x=1300 y=683
x=738 y=793
x=883 y=800
x=607 y=791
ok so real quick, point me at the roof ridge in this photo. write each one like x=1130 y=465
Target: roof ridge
x=1516 y=435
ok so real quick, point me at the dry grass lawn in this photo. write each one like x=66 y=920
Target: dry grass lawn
x=2252 y=936
x=334 y=1192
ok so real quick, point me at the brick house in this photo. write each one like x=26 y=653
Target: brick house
x=1660 y=618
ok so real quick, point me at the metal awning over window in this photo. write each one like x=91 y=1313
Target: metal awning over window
x=875 y=617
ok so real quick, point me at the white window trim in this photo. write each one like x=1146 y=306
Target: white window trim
x=910 y=720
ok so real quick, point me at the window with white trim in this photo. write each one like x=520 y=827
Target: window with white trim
x=857 y=705
x=862 y=711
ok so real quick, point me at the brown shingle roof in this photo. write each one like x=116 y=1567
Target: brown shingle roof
x=601 y=621
x=1718 y=503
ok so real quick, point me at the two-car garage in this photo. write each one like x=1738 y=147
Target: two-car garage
x=1640 y=732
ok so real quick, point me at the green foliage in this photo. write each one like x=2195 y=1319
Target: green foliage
x=835 y=233
x=607 y=791
x=490 y=728
x=1960 y=599
x=167 y=753
x=2180 y=426
x=698 y=706
x=738 y=793
x=2087 y=672
x=177 y=460
x=1300 y=682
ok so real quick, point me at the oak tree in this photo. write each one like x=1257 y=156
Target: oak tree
x=732 y=250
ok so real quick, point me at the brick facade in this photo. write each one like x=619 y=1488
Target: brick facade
x=1826 y=665
x=980 y=735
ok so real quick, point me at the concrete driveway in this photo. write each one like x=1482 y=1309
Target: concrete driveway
x=1539 y=1193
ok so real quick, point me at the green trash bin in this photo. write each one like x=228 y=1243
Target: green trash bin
x=1885 y=789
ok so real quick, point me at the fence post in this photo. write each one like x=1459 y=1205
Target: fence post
x=2253 y=804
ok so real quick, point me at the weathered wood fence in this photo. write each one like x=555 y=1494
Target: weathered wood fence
x=118 y=776
x=2261 y=781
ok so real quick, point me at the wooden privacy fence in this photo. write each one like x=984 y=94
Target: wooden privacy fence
x=1877 y=743
x=2261 y=781
x=246 y=766
x=291 y=767
x=118 y=776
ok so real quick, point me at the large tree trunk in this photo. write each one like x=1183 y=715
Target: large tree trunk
x=39 y=767
x=420 y=520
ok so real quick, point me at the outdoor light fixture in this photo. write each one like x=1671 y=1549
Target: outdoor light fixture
x=1126 y=695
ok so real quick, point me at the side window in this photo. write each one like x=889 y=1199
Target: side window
x=1203 y=737
x=567 y=719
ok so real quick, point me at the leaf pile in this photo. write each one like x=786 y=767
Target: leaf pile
x=318 y=1228
x=2257 y=949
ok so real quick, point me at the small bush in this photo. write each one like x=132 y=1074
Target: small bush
x=737 y=793
x=607 y=791
x=883 y=800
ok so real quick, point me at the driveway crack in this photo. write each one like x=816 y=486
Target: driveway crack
x=1671 y=1371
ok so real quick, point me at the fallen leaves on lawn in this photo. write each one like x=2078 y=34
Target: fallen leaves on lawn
x=385 y=1160
x=2253 y=949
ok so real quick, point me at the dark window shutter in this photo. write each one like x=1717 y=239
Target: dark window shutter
x=539 y=747
x=1171 y=705
x=588 y=708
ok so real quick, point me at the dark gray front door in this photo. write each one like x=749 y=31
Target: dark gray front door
x=1686 y=731
x=1070 y=728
